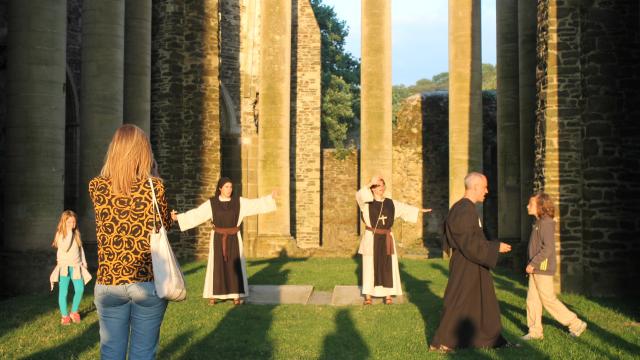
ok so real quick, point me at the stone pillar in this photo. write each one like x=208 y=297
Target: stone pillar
x=375 y=79
x=527 y=22
x=101 y=94
x=306 y=113
x=274 y=117
x=137 y=63
x=508 y=126
x=465 y=94
x=35 y=125
x=559 y=134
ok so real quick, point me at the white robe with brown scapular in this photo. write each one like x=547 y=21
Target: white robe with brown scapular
x=202 y=213
x=406 y=212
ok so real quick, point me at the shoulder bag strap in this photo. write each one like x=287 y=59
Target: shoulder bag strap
x=156 y=207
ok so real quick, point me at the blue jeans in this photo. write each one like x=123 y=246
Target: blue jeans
x=132 y=310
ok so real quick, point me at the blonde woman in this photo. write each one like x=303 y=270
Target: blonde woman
x=71 y=266
x=129 y=310
x=541 y=267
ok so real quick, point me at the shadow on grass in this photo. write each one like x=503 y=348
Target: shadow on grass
x=607 y=337
x=422 y=296
x=17 y=311
x=193 y=270
x=243 y=331
x=72 y=347
x=345 y=342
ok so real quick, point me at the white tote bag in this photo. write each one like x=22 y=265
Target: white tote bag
x=167 y=276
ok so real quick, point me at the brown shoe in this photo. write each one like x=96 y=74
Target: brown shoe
x=212 y=301
x=238 y=301
x=388 y=301
x=367 y=300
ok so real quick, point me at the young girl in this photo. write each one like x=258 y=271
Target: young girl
x=541 y=267
x=71 y=266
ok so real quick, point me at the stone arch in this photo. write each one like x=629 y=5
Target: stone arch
x=72 y=143
x=229 y=121
x=230 y=147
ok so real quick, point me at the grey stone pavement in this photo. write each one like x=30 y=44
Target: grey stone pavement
x=342 y=295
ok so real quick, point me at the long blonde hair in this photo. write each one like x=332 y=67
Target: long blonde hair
x=128 y=159
x=61 y=229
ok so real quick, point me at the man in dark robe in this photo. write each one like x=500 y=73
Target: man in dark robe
x=470 y=314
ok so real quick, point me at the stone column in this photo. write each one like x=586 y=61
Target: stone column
x=465 y=94
x=35 y=124
x=375 y=79
x=559 y=134
x=508 y=126
x=137 y=63
x=306 y=83
x=274 y=117
x=527 y=22
x=101 y=95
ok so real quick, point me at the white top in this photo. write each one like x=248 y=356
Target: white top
x=248 y=207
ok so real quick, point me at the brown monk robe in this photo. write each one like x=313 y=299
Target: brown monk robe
x=470 y=314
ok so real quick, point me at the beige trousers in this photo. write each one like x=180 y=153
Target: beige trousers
x=541 y=294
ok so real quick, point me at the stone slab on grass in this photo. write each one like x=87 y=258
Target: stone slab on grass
x=321 y=298
x=279 y=294
x=352 y=295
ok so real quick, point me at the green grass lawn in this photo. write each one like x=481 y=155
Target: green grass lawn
x=29 y=325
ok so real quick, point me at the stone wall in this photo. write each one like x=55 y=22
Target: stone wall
x=340 y=216
x=610 y=64
x=305 y=126
x=421 y=169
x=586 y=138
x=3 y=104
x=185 y=113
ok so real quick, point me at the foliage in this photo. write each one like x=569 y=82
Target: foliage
x=439 y=82
x=336 y=111
x=338 y=67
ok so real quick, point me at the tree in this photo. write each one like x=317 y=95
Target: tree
x=336 y=110
x=340 y=76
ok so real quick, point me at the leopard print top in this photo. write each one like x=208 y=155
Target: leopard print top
x=123 y=225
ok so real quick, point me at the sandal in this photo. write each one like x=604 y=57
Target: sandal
x=388 y=301
x=212 y=301
x=367 y=301
x=238 y=302
x=441 y=348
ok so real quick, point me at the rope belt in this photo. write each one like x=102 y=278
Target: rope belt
x=225 y=235
x=388 y=238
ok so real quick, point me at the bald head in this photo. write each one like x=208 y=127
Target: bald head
x=475 y=185
x=472 y=179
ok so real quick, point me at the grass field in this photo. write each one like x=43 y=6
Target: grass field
x=29 y=325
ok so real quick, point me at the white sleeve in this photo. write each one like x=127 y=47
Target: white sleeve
x=363 y=196
x=257 y=206
x=405 y=211
x=195 y=217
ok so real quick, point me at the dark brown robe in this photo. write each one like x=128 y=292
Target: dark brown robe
x=227 y=275
x=382 y=262
x=470 y=314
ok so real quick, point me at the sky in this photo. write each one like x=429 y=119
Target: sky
x=418 y=35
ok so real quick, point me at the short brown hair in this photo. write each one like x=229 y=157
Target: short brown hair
x=544 y=205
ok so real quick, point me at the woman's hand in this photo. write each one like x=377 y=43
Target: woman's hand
x=174 y=215
x=529 y=269
x=274 y=194
x=426 y=210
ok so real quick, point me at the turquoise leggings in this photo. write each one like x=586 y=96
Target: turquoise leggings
x=78 y=288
